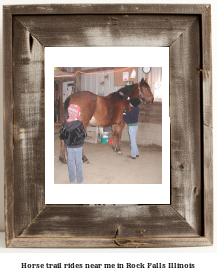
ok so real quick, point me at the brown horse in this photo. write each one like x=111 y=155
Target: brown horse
x=106 y=111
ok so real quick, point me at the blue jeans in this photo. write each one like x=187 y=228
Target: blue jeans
x=132 y=132
x=75 y=158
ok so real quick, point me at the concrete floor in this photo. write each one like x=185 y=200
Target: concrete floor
x=107 y=167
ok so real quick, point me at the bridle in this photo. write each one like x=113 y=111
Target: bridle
x=142 y=95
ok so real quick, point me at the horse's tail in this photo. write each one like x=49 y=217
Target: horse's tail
x=66 y=105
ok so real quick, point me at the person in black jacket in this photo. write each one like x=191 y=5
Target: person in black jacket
x=132 y=119
x=73 y=133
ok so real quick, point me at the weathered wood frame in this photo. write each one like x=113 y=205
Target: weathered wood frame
x=188 y=220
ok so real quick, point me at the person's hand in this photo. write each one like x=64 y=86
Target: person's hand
x=125 y=111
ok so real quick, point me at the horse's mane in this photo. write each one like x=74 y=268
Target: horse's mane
x=125 y=90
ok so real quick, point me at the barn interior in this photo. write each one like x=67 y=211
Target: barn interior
x=106 y=166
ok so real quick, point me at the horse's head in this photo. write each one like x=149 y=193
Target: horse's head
x=145 y=93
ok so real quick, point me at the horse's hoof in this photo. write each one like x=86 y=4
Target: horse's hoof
x=85 y=160
x=119 y=152
x=114 y=149
x=62 y=160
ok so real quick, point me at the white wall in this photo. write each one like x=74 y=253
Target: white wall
x=91 y=82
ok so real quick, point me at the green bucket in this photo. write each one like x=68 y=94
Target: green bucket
x=104 y=140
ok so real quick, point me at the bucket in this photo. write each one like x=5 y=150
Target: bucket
x=104 y=139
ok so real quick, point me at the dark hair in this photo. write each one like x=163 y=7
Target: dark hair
x=135 y=101
x=125 y=90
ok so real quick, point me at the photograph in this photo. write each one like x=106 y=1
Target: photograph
x=106 y=126
x=110 y=134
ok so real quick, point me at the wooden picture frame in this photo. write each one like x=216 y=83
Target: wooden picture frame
x=186 y=30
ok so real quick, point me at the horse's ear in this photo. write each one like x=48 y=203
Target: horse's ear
x=146 y=79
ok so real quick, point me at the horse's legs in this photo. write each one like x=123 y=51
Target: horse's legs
x=62 y=152
x=84 y=158
x=117 y=131
x=114 y=146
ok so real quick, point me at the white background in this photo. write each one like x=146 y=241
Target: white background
x=204 y=257
x=86 y=193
